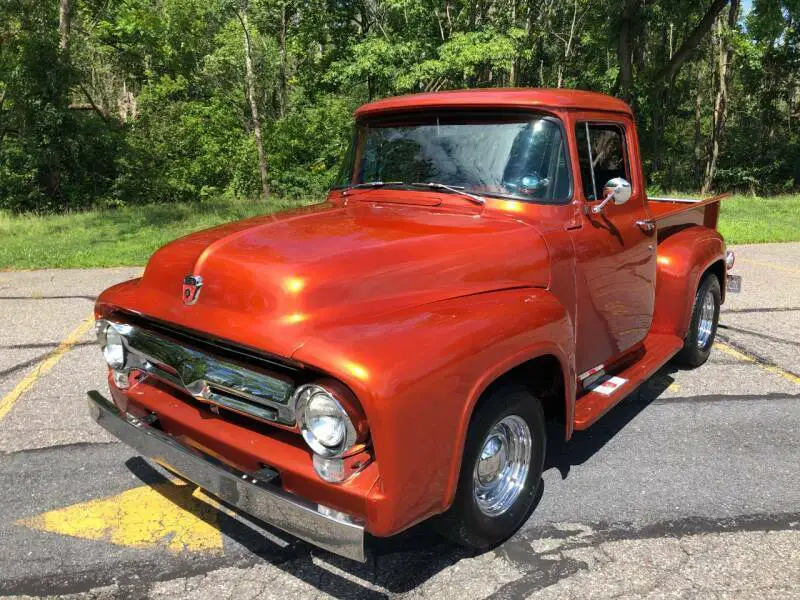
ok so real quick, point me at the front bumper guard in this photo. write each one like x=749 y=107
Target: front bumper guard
x=267 y=502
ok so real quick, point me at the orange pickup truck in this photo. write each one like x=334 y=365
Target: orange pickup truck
x=487 y=260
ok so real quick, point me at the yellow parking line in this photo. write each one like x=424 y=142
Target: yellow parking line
x=171 y=515
x=50 y=361
x=768 y=264
x=747 y=358
x=732 y=352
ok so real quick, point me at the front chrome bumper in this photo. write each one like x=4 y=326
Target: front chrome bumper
x=247 y=491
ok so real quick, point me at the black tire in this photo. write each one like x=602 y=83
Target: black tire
x=465 y=523
x=693 y=354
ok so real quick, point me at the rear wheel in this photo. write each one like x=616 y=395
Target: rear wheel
x=703 y=327
x=500 y=471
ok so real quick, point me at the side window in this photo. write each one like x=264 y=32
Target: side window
x=602 y=156
x=537 y=163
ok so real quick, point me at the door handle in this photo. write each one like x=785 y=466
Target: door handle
x=646 y=225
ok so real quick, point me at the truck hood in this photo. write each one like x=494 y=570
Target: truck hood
x=272 y=282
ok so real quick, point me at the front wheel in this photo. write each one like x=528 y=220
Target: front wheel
x=500 y=471
x=703 y=327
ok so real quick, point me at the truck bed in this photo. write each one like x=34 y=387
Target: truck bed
x=671 y=212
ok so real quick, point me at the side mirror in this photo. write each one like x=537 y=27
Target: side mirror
x=616 y=189
x=530 y=184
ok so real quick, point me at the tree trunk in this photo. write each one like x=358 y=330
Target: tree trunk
x=568 y=46
x=282 y=73
x=625 y=48
x=698 y=115
x=512 y=76
x=251 y=96
x=63 y=25
x=724 y=55
x=660 y=100
x=2 y=128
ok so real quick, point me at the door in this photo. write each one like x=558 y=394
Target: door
x=615 y=254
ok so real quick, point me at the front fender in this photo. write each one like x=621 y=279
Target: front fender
x=683 y=257
x=418 y=374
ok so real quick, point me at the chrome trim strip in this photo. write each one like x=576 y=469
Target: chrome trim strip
x=331 y=530
x=205 y=377
x=681 y=200
x=209 y=343
x=592 y=371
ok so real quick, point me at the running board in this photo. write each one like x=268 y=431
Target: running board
x=608 y=391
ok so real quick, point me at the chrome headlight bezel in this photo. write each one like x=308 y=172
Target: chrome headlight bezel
x=303 y=397
x=112 y=344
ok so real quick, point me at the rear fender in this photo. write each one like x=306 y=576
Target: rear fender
x=683 y=257
x=419 y=373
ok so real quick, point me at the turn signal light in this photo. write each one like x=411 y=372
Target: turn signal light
x=121 y=379
x=338 y=470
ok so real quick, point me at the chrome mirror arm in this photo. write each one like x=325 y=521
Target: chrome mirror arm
x=598 y=208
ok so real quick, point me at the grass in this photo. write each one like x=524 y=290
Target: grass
x=754 y=220
x=111 y=237
x=128 y=236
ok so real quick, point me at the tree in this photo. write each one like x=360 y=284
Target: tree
x=723 y=75
x=165 y=100
x=251 y=97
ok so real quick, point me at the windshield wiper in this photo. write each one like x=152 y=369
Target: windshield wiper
x=373 y=184
x=452 y=188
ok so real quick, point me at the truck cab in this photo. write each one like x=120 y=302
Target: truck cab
x=486 y=260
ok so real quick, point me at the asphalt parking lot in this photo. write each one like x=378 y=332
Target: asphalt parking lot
x=689 y=488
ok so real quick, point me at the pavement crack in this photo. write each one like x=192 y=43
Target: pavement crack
x=714 y=398
x=605 y=552
x=59 y=447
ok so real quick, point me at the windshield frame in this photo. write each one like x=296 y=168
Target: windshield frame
x=353 y=150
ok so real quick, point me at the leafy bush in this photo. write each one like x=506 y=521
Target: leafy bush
x=306 y=146
x=179 y=149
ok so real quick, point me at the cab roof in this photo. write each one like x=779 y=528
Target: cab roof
x=509 y=98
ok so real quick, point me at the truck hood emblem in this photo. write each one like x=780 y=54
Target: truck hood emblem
x=191 y=289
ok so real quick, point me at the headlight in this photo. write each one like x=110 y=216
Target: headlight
x=113 y=349
x=325 y=425
x=325 y=420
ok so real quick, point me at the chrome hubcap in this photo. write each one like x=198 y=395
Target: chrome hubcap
x=502 y=467
x=706 y=324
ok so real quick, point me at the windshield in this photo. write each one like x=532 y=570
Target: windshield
x=518 y=156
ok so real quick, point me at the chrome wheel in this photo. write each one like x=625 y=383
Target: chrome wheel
x=502 y=467
x=705 y=324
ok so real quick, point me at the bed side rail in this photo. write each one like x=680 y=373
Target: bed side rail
x=679 y=211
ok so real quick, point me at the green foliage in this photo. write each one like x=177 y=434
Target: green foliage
x=180 y=149
x=149 y=102
x=49 y=156
x=311 y=141
x=475 y=58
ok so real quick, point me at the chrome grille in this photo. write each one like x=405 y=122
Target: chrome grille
x=207 y=378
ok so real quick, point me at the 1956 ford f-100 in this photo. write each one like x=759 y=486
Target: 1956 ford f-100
x=487 y=260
